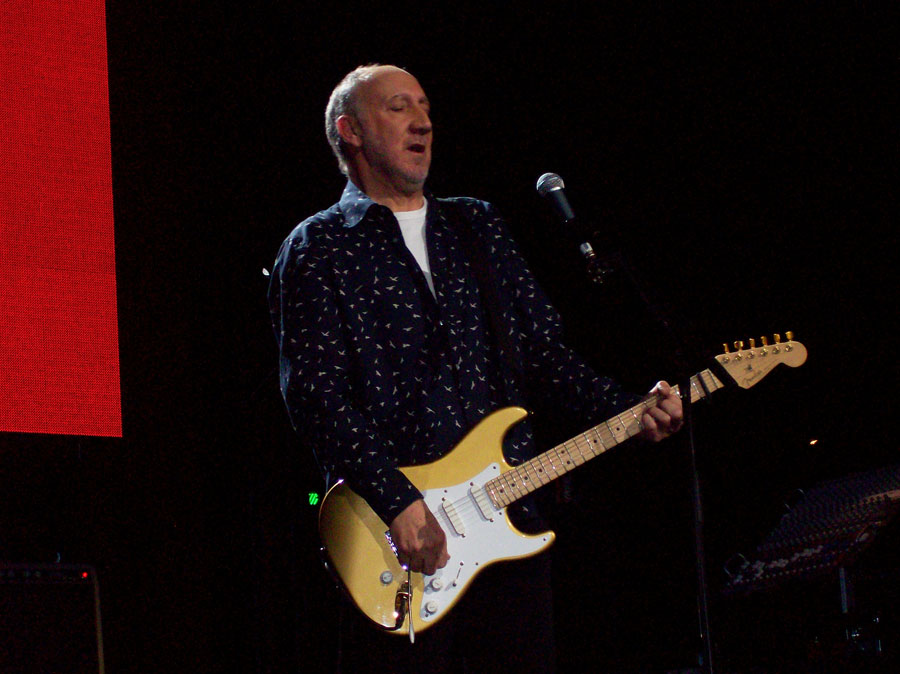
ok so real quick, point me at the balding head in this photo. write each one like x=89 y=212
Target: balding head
x=378 y=121
x=343 y=101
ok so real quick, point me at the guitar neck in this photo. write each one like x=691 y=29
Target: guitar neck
x=544 y=468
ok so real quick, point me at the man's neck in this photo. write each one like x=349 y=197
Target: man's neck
x=389 y=195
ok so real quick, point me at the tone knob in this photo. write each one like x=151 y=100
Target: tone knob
x=431 y=607
x=386 y=577
x=436 y=584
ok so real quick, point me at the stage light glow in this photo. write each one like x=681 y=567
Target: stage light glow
x=59 y=351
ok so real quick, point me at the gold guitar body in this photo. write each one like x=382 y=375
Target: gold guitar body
x=478 y=533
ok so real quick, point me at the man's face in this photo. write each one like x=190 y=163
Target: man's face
x=396 y=130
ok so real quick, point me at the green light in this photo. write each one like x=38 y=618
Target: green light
x=313 y=498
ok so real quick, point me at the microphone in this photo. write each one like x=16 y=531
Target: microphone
x=551 y=186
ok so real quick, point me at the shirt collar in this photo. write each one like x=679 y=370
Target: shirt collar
x=355 y=204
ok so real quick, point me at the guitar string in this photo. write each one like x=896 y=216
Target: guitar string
x=542 y=468
x=466 y=506
x=700 y=386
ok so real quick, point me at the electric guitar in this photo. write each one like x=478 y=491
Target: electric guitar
x=469 y=489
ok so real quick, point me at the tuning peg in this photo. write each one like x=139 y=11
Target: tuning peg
x=790 y=336
x=725 y=349
x=752 y=343
x=777 y=338
x=765 y=341
x=739 y=345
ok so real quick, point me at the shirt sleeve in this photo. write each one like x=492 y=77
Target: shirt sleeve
x=316 y=382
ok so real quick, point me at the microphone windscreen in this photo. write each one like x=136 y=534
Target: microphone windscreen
x=549 y=182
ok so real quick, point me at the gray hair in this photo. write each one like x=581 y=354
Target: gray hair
x=343 y=102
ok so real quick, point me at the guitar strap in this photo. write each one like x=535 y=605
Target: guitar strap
x=487 y=283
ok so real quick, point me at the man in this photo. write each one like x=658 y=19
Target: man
x=390 y=348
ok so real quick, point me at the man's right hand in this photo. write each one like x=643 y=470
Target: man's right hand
x=420 y=541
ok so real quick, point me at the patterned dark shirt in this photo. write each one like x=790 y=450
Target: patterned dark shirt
x=378 y=373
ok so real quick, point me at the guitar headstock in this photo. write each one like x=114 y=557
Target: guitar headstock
x=748 y=365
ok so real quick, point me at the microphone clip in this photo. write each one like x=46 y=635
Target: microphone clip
x=597 y=269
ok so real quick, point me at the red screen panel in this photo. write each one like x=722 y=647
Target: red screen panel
x=59 y=351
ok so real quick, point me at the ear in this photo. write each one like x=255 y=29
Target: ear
x=349 y=129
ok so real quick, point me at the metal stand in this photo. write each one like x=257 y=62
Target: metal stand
x=551 y=186
x=599 y=269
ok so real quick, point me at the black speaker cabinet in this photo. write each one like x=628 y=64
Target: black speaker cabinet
x=50 y=619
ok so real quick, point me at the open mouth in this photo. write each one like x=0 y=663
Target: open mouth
x=417 y=147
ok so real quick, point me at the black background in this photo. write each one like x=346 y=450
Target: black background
x=742 y=160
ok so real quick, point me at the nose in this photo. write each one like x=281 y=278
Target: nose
x=421 y=122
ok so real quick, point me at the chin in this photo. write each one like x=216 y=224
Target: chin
x=416 y=179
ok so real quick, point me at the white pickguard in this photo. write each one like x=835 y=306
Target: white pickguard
x=483 y=542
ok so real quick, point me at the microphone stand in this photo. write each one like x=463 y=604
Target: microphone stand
x=598 y=270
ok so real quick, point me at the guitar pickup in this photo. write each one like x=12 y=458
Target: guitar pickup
x=483 y=502
x=455 y=520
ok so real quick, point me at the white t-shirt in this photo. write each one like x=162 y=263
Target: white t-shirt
x=412 y=226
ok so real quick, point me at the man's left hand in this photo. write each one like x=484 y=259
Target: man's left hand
x=665 y=417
